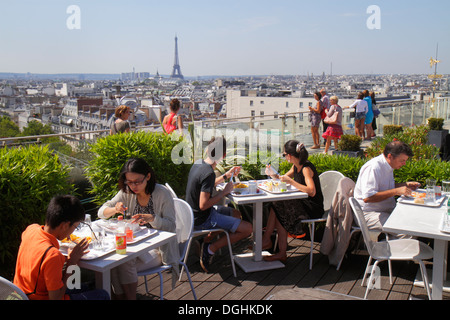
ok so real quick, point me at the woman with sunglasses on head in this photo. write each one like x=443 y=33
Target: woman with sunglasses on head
x=148 y=202
x=286 y=216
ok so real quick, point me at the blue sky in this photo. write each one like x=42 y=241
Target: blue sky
x=285 y=37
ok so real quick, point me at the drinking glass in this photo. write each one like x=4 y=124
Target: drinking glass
x=431 y=196
x=446 y=187
x=252 y=187
x=431 y=183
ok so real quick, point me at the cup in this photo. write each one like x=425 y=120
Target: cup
x=252 y=186
x=431 y=196
x=283 y=187
x=446 y=187
x=276 y=185
x=431 y=183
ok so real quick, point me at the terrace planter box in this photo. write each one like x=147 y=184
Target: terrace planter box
x=437 y=138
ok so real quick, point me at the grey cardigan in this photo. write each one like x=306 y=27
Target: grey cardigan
x=163 y=206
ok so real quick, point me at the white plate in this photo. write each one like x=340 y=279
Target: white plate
x=289 y=188
x=144 y=233
x=259 y=192
x=410 y=200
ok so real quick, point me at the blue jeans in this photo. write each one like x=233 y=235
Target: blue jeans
x=220 y=217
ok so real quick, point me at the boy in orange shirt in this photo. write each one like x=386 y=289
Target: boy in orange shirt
x=41 y=267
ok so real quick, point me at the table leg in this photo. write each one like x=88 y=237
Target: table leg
x=257 y=231
x=251 y=262
x=103 y=280
x=440 y=249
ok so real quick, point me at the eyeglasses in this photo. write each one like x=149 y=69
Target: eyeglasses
x=135 y=183
x=285 y=154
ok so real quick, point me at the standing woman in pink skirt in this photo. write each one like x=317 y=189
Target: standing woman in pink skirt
x=334 y=130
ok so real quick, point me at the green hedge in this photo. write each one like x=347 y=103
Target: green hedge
x=29 y=178
x=414 y=170
x=111 y=153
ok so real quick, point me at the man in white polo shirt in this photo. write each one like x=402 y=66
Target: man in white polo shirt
x=376 y=188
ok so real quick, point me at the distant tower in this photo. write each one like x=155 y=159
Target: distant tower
x=176 y=73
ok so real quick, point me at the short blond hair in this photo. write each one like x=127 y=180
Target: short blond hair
x=334 y=98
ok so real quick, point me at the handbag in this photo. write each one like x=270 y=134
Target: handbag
x=333 y=119
x=323 y=114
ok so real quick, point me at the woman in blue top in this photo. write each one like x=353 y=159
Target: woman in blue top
x=369 y=116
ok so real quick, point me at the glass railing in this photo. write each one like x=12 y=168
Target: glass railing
x=248 y=135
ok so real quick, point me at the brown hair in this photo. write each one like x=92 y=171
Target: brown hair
x=120 y=110
x=174 y=105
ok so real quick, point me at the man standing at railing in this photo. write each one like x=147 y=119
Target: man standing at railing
x=326 y=107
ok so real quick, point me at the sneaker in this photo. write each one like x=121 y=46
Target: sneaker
x=205 y=257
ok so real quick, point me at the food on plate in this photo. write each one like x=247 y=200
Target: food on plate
x=268 y=185
x=419 y=200
x=418 y=195
x=240 y=186
x=74 y=238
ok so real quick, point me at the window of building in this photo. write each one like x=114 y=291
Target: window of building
x=251 y=103
x=275 y=115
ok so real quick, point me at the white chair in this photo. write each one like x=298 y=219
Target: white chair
x=401 y=249
x=184 y=226
x=328 y=182
x=174 y=195
x=9 y=291
x=197 y=233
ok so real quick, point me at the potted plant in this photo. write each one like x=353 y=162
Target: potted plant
x=350 y=145
x=437 y=135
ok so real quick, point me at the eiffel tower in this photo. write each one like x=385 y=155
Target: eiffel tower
x=176 y=73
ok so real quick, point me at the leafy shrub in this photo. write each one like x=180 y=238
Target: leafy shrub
x=29 y=178
x=346 y=165
x=422 y=169
x=111 y=153
x=416 y=137
x=392 y=129
x=349 y=142
x=436 y=123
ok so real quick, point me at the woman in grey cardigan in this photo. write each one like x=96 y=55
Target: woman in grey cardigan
x=148 y=202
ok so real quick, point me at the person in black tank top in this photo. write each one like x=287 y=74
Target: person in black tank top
x=286 y=216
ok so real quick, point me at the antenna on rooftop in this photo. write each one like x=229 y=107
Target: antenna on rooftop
x=435 y=76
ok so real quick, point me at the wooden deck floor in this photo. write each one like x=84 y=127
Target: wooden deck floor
x=220 y=284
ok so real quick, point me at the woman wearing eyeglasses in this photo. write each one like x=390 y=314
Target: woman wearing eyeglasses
x=147 y=202
x=286 y=216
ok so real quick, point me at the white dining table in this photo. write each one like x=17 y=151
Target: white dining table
x=102 y=265
x=424 y=221
x=251 y=262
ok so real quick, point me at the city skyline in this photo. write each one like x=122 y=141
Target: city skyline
x=289 y=37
